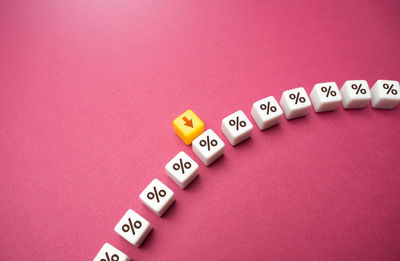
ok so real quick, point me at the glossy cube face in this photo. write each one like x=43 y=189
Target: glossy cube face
x=236 y=127
x=188 y=126
x=208 y=147
x=355 y=94
x=325 y=97
x=385 y=94
x=108 y=252
x=182 y=169
x=266 y=112
x=295 y=103
x=133 y=227
x=157 y=197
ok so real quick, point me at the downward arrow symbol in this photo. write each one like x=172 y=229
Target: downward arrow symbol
x=188 y=123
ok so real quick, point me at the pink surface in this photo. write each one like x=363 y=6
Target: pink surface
x=88 y=92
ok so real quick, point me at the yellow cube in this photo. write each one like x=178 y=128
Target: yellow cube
x=188 y=126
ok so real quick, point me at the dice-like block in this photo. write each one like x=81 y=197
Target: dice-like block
x=108 y=252
x=208 y=147
x=355 y=94
x=188 y=126
x=295 y=103
x=325 y=97
x=266 y=113
x=133 y=227
x=157 y=197
x=236 y=127
x=182 y=169
x=385 y=94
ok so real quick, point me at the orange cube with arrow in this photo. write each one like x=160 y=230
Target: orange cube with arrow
x=188 y=126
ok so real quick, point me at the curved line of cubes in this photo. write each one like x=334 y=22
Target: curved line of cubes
x=294 y=103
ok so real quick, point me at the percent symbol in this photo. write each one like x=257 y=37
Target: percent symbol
x=114 y=257
x=237 y=123
x=208 y=143
x=358 y=88
x=131 y=226
x=297 y=98
x=156 y=194
x=389 y=88
x=182 y=166
x=328 y=91
x=268 y=107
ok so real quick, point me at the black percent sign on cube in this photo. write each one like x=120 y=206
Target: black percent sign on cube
x=182 y=166
x=208 y=143
x=389 y=89
x=328 y=91
x=114 y=257
x=358 y=88
x=268 y=107
x=131 y=226
x=237 y=123
x=156 y=194
x=297 y=98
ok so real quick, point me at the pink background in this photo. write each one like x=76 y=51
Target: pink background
x=88 y=92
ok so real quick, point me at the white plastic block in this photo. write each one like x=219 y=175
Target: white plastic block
x=110 y=253
x=266 y=112
x=325 y=97
x=208 y=147
x=295 y=103
x=182 y=169
x=157 y=197
x=236 y=127
x=133 y=227
x=385 y=94
x=355 y=94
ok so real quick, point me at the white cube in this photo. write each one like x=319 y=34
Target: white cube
x=108 y=252
x=182 y=169
x=385 y=94
x=355 y=94
x=266 y=112
x=236 y=127
x=208 y=147
x=133 y=227
x=157 y=197
x=295 y=103
x=325 y=97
